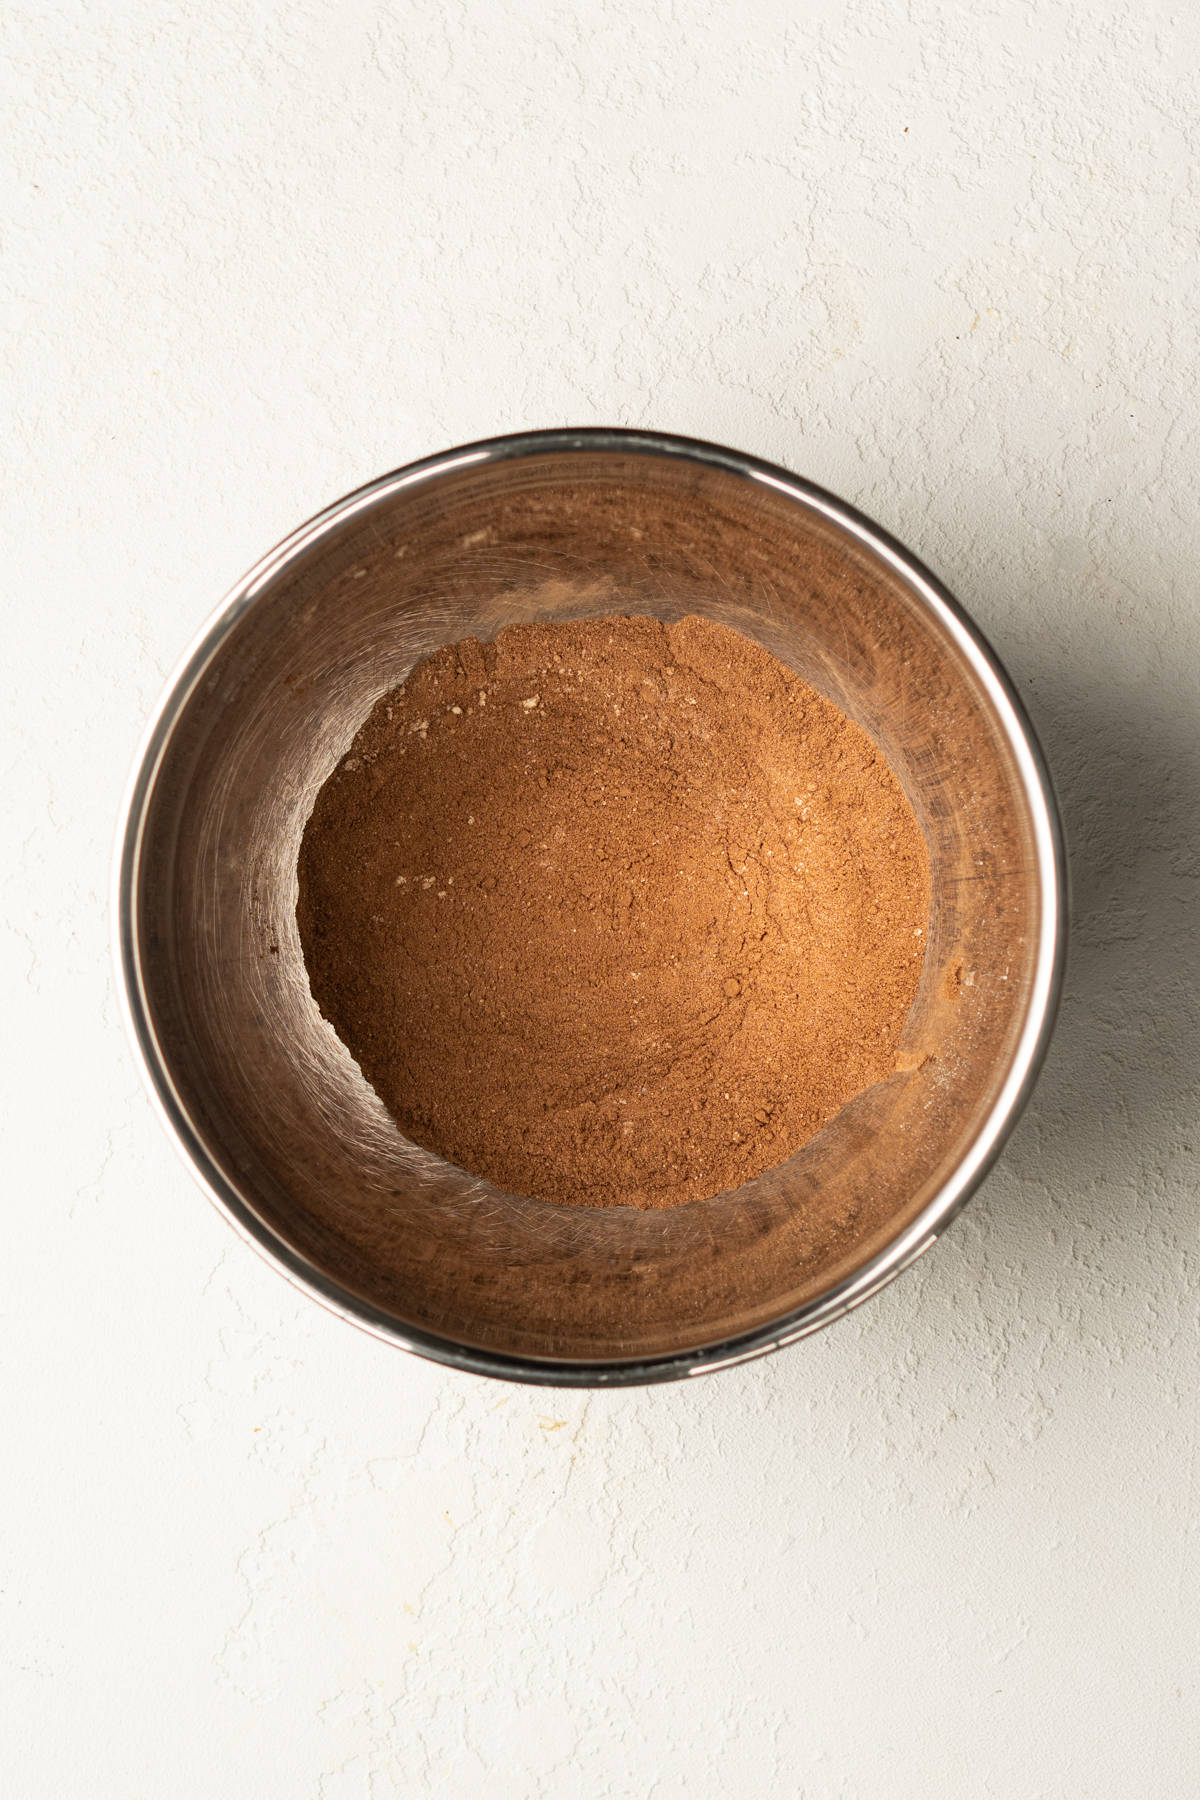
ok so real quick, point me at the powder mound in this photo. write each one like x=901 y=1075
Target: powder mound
x=613 y=912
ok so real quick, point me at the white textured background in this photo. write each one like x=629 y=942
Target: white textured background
x=940 y=256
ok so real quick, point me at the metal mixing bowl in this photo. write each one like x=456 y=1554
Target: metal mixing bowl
x=268 y=1106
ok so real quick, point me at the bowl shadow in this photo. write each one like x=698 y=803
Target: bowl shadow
x=1120 y=1084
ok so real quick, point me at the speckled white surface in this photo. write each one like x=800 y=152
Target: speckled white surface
x=938 y=256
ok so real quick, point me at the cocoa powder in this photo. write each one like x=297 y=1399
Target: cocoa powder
x=613 y=912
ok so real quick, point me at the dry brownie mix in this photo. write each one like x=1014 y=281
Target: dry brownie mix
x=613 y=912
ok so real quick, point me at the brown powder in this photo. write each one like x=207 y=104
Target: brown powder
x=613 y=912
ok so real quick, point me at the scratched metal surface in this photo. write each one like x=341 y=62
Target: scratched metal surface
x=271 y=702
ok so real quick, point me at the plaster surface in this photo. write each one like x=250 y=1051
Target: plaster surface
x=939 y=257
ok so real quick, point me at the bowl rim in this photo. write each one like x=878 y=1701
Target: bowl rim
x=993 y=1131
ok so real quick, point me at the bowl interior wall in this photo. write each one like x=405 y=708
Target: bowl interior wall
x=280 y=1104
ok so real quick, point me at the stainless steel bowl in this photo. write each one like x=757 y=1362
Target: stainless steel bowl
x=268 y=1106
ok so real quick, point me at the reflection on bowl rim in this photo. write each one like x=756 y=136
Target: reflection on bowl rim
x=953 y=1194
